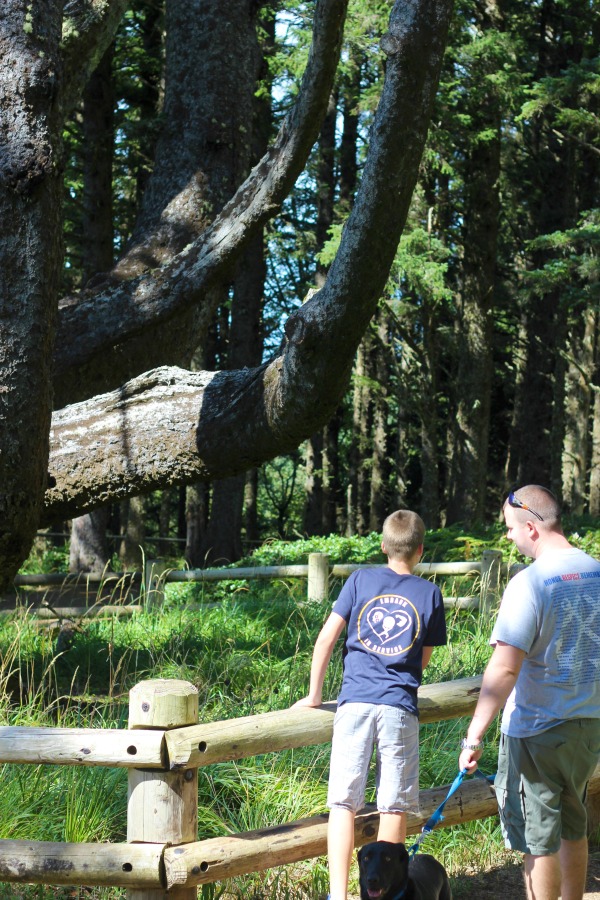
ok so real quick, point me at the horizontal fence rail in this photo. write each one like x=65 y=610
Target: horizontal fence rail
x=106 y=865
x=487 y=573
x=163 y=748
x=82 y=746
x=204 y=744
x=199 y=745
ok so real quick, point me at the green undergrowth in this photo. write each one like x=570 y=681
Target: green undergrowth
x=247 y=648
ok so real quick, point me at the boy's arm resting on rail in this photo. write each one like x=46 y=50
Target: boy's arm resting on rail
x=326 y=641
x=427 y=651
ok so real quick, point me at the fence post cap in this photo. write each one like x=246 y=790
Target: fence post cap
x=163 y=703
x=491 y=554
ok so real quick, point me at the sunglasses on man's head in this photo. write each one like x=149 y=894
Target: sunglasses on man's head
x=514 y=501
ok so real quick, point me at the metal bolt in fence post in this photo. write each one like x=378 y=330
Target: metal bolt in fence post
x=318 y=576
x=162 y=806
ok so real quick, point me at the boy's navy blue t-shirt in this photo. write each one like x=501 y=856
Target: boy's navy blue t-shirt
x=390 y=619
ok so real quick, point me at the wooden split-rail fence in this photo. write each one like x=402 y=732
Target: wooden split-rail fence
x=69 y=595
x=164 y=748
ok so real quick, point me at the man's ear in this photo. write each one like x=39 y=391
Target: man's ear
x=383 y=550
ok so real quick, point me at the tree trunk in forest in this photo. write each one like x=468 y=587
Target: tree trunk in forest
x=222 y=538
x=594 y=501
x=148 y=89
x=133 y=533
x=578 y=411
x=350 y=93
x=222 y=541
x=333 y=500
x=196 y=512
x=428 y=406
x=534 y=439
x=336 y=504
x=245 y=349
x=251 y=510
x=164 y=546
x=473 y=383
x=246 y=114
x=89 y=551
x=30 y=263
x=380 y=469
x=312 y=519
x=362 y=427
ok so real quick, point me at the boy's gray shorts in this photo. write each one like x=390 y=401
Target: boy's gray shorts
x=395 y=733
x=541 y=785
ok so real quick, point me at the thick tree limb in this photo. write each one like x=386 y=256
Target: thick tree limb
x=107 y=336
x=89 y=26
x=170 y=426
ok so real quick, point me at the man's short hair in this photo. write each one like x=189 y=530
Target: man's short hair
x=541 y=500
x=403 y=533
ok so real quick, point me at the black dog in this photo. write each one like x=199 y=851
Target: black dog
x=385 y=874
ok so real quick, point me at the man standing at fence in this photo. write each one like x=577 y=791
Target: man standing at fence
x=545 y=671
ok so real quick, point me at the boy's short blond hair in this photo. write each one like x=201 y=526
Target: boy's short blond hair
x=402 y=534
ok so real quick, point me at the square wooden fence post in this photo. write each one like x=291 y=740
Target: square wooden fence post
x=162 y=806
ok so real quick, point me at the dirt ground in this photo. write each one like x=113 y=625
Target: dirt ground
x=507 y=883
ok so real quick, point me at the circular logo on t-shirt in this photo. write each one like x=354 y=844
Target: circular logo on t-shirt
x=388 y=625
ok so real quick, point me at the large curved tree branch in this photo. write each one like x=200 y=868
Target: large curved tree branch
x=88 y=28
x=110 y=335
x=170 y=426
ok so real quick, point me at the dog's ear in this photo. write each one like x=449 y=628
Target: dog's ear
x=401 y=853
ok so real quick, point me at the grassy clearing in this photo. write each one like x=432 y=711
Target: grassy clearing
x=248 y=650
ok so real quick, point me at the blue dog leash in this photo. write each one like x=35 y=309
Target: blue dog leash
x=437 y=816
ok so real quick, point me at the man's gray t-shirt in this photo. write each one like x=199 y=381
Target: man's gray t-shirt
x=551 y=610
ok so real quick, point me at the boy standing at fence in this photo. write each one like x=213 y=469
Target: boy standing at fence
x=394 y=619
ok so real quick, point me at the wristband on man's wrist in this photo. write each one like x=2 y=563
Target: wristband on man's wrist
x=465 y=745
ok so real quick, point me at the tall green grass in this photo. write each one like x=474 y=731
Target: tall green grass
x=247 y=648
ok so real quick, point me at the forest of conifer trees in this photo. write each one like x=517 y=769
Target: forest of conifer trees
x=480 y=369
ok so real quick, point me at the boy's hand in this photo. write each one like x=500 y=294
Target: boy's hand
x=307 y=701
